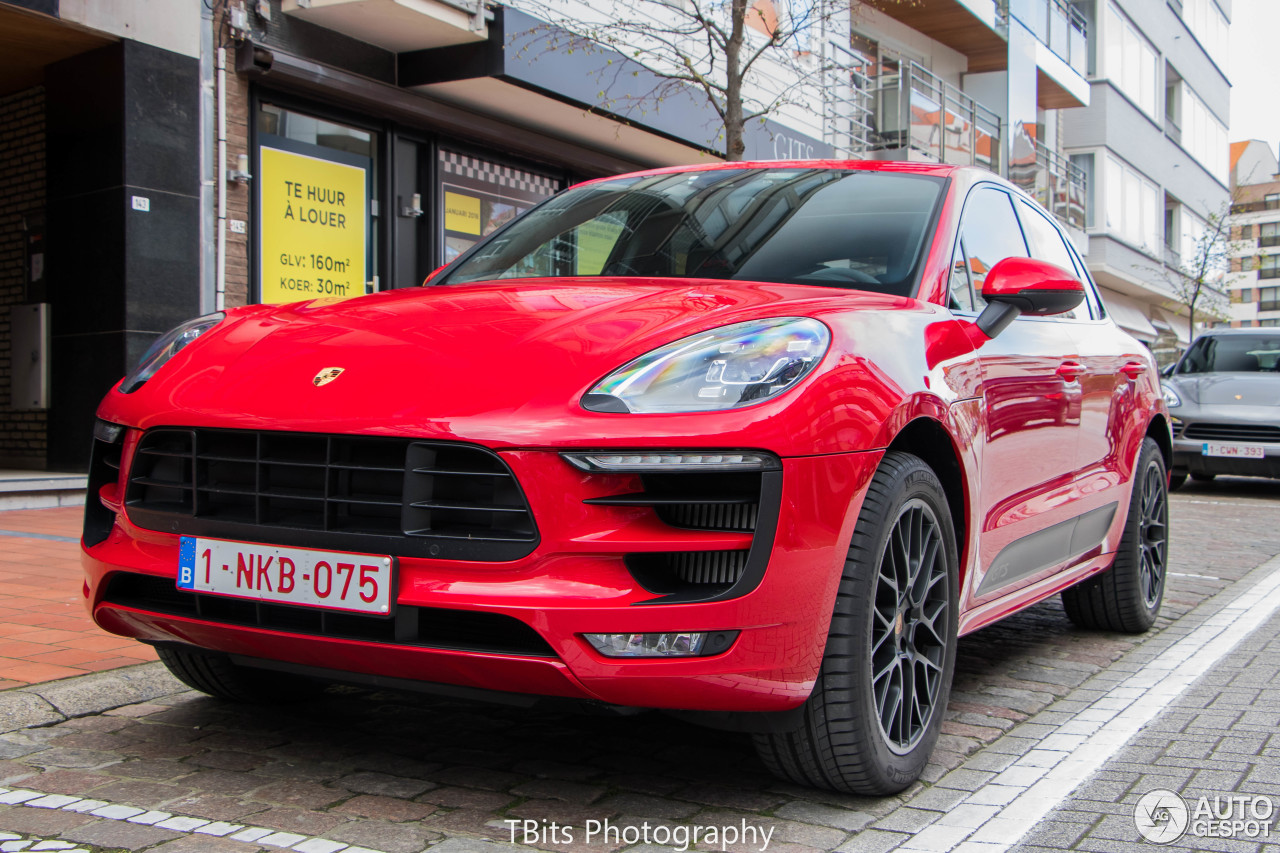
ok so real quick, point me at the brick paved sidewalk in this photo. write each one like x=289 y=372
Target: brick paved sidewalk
x=1220 y=738
x=45 y=633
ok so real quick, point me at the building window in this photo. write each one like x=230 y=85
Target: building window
x=1209 y=26
x=1269 y=266
x=1130 y=61
x=1084 y=162
x=1269 y=298
x=1131 y=205
x=1268 y=234
x=1203 y=136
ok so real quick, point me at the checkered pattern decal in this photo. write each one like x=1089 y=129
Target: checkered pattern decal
x=504 y=176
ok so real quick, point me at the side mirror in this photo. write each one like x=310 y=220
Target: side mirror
x=1026 y=286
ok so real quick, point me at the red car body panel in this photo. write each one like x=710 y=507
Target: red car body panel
x=504 y=365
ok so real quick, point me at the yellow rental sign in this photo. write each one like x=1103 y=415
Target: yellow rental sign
x=312 y=227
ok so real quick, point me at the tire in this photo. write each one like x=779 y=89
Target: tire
x=848 y=737
x=1203 y=478
x=216 y=675
x=1127 y=596
x=1176 y=481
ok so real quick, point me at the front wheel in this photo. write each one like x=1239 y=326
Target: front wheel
x=875 y=712
x=1127 y=596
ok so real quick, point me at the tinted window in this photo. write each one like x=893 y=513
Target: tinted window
x=1232 y=353
x=990 y=233
x=852 y=229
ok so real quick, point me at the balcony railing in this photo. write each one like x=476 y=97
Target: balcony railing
x=1269 y=241
x=1055 y=182
x=1269 y=306
x=1256 y=206
x=914 y=109
x=1059 y=25
x=1269 y=272
x=846 y=101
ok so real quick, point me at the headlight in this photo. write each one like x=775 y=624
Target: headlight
x=1171 y=398
x=725 y=368
x=166 y=347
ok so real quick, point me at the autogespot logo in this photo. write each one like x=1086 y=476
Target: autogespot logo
x=1161 y=816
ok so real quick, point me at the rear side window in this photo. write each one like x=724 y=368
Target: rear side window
x=990 y=233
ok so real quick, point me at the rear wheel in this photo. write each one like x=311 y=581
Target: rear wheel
x=875 y=712
x=1127 y=596
x=216 y=675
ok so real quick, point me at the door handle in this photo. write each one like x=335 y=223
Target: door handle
x=1133 y=369
x=1070 y=371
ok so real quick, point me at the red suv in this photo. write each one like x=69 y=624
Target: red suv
x=757 y=442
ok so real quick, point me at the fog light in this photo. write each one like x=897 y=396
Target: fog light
x=642 y=461
x=674 y=644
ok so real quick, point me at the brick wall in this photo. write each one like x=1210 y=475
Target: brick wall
x=239 y=196
x=23 y=435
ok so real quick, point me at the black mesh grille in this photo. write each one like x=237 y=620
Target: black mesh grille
x=1232 y=432
x=673 y=571
x=380 y=495
x=711 y=516
x=432 y=627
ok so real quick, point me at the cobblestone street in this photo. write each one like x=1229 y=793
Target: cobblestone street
x=127 y=760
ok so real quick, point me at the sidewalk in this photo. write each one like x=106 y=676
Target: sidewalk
x=45 y=633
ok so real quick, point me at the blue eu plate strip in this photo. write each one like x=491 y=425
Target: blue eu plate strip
x=187 y=563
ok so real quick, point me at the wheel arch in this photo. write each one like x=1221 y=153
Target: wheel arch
x=929 y=440
x=1158 y=429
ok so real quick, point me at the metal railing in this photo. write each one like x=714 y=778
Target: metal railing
x=916 y=110
x=846 y=101
x=1055 y=182
x=1256 y=206
x=1059 y=25
x=1269 y=241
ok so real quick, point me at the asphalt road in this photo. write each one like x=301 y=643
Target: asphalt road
x=400 y=773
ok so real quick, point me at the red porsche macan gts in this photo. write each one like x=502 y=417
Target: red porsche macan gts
x=757 y=442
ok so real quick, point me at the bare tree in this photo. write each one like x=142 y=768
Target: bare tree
x=719 y=48
x=1196 y=282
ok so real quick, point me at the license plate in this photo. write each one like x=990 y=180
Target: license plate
x=1239 y=451
x=337 y=580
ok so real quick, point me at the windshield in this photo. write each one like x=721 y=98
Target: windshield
x=1232 y=353
x=838 y=228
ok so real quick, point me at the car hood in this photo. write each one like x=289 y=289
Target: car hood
x=449 y=359
x=1229 y=389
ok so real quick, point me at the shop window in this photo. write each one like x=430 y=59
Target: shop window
x=316 y=207
x=477 y=197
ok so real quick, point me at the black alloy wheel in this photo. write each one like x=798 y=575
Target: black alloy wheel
x=876 y=709
x=909 y=633
x=1127 y=596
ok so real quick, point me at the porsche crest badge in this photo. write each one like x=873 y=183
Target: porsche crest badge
x=327 y=375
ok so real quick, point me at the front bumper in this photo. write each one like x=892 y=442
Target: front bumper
x=575 y=581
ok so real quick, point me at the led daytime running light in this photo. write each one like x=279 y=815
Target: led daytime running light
x=640 y=461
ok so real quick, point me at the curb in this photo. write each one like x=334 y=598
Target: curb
x=55 y=701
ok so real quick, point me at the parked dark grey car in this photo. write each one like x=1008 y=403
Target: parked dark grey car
x=1224 y=402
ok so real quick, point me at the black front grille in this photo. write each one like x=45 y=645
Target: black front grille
x=430 y=627
x=361 y=493
x=1232 y=432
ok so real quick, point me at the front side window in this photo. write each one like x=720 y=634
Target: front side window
x=990 y=234
x=854 y=229
x=1232 y=354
